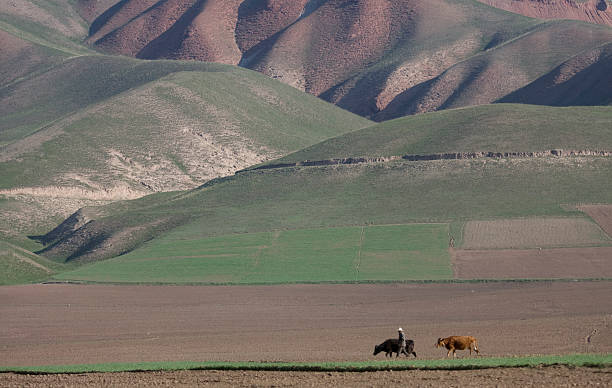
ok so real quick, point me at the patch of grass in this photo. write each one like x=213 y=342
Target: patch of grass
x=575 y=360
x=387 y=253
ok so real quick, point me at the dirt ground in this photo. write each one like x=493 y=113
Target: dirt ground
x=559 y=263
x=76 y=324
x=555 y=376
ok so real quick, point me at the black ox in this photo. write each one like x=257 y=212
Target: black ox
x=391 y=346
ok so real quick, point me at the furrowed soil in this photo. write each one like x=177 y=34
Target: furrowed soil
x=557 y=376
x=81 y=324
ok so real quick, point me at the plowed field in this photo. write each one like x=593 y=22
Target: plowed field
x=73 y=324
x=561 y=263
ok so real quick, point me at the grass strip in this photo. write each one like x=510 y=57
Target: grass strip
x=55 y=280
x=572 y=360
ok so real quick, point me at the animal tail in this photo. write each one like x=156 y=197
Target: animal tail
x=476 y=345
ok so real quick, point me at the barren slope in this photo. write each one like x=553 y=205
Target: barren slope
x=375 y=58
x=500 y=71
x=592 y=11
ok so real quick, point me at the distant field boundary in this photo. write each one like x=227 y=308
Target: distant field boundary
x=425 y=281
x=428 y=157
x=573 y=360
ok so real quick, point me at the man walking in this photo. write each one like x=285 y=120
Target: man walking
x=402 y=343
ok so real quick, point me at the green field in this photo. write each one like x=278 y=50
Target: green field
x=576 y=360
x=398 y=252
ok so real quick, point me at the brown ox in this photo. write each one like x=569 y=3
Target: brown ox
x=458 y=342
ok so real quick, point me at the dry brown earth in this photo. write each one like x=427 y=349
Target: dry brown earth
x=557 y=376
x=561 y=263
x=73 y=324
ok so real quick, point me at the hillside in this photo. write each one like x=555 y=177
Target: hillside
x=592 y=11
x=375 y=58
x=486 y=128
x=517 y=65
x=377 y=193
x=135 y=127
x=152 y=126
x=582 y=80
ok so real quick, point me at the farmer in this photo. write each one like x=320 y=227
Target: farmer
x=402 y=342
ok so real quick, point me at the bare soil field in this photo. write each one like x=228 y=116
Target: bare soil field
x=557 y=376
x=76 y=324
x=532 y=233
x=559 y=263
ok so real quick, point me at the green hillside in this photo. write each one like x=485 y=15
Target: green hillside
x=395 y=192
x=18 y=265
x=224 y=230
x=322 y=197
x=95 y=129
x=497 y=128
x=183 y=122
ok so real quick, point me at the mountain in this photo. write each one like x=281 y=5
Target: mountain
x=379 y=59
